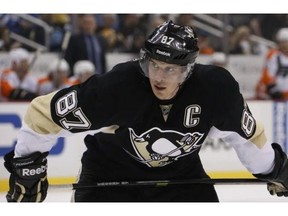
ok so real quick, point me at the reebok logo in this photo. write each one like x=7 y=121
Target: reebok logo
x=163 y=53
x=32 y=172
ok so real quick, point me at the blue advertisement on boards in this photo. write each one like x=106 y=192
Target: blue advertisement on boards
x=14 y=120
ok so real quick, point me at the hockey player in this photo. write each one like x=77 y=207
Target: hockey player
x=17 y=82
x=57 y=77
x=83 y=69
x=273 y=83
x=154 y=114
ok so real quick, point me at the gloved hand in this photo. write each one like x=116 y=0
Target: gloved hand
x=22 y=94
x=28 y=180
x=274 y=92
x=278 y=178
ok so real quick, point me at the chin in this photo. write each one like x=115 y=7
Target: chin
x=161 y=97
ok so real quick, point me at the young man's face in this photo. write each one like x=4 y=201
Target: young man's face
x=165 y=78
x=21 y=68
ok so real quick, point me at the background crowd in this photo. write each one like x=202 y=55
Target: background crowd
x=95 y=35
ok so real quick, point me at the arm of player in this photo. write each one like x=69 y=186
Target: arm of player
x=277 y=174
x=272 y=159
x=254 y=153
x=235 y=124
x=28 y=167
x=263 y=160
x=38 y=132
x=59 y=114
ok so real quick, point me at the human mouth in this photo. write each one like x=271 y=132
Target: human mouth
x=159 y=88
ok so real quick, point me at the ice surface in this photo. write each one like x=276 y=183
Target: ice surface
x=234 y=200
x=226 y=193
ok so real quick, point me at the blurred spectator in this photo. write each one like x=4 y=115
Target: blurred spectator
x=16 y=82
x=87 y=45
x=60 y=23
x=154 y=22
x=83 y=70
x=204 y=38
x=271 y=23
x=242 y=44
x=5 y=42
x=57 y=77
x=109 y=30
x=19 y=26
x=6 y=27
x=204 y=43
x=219 y=59
x=184 y=19
x=252 y=21
x=111 y=20
x=132 y=32
x=13 y=23
x=273 y=83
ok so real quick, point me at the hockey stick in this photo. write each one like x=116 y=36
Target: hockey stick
x=64 y=45
x=65 y=42
x=35 y=57
x=161 y=183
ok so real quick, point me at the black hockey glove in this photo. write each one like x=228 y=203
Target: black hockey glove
x=21 y=94
x=274 y=92
x=278 y=178
x=28 y=180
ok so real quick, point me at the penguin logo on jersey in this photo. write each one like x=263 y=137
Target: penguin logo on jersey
x=157 y=148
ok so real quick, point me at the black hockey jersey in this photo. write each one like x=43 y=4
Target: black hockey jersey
x=145 y=138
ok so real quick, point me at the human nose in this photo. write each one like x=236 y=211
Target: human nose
x=159 y=75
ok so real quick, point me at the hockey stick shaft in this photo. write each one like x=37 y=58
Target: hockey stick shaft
x=65 y=42
x=226 y=181
x=34 y=58
x=64 y=45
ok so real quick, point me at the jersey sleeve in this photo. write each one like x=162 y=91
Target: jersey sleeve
x=230 y=111
x=84 y=107
x=234 y=122
x=38 y=131
x=91 y=106
x=71 y=110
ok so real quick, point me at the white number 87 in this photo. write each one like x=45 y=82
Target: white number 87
x=67 y=104
x=167 y=40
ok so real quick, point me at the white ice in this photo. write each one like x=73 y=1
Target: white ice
x=235 y=200
x=226 y=193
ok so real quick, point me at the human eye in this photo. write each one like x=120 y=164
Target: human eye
x=169 y=69
x=154 y=65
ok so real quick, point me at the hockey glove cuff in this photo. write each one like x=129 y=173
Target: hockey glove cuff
x=278 y=178
x=28 y=180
